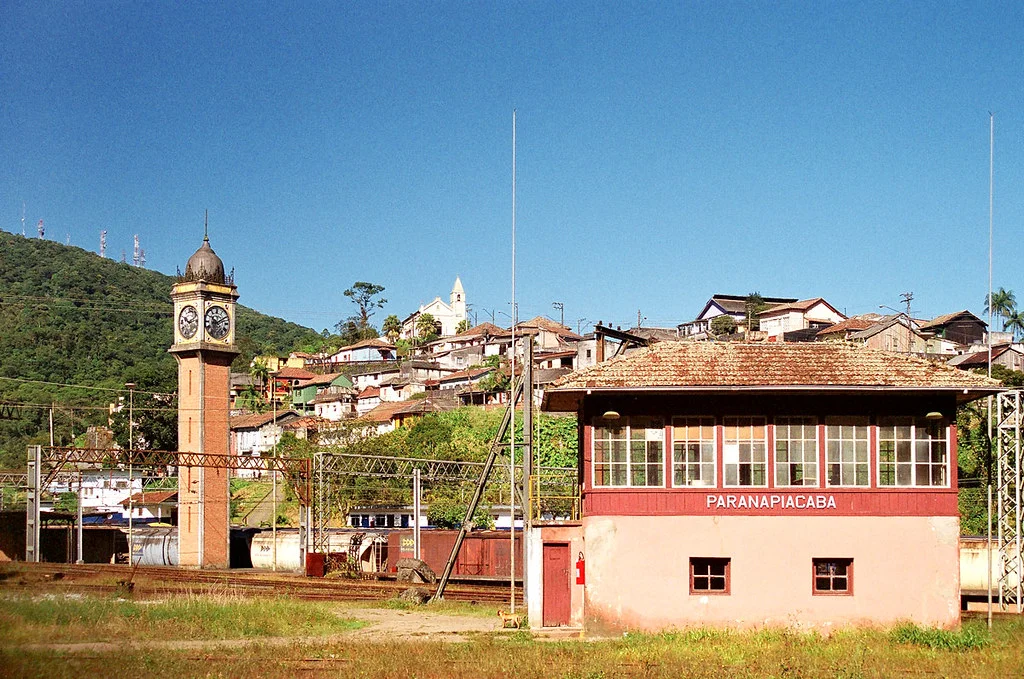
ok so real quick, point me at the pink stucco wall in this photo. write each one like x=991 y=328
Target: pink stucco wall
x=905 y=568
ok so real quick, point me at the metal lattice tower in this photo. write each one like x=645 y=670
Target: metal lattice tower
x=1008 y=494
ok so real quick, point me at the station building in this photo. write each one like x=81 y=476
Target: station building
x=744 y=485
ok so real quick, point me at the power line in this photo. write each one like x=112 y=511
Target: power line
x=86 y=386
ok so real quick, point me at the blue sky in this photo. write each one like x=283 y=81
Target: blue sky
x=666 y=151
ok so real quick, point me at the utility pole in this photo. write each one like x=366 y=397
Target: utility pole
x=906 y=298
x=561 y=308
x=131 y=489
x=579 y=325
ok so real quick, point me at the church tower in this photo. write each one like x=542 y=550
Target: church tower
x=204 y=345
x=457 y=300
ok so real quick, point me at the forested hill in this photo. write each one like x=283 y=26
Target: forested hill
x=70 y=317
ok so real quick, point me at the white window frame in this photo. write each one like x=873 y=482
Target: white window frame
x=740 y=421
x=913 y=464
x=626 y=424
x=700 y=421
x=803 y=421
x=844 y=422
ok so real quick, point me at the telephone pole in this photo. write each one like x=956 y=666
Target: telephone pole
x=561 y=308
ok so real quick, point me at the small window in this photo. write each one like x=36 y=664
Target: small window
x=833 y=576
x=709 y=575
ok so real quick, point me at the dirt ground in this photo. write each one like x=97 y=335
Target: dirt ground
x=381 y=623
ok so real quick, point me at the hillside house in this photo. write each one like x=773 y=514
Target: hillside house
x=801 y=315
x=366 y=351
x=152 y=506
x=962 y=327
x=732 y=484
x=1009 y=356
x=305 y=391
x=724 y=305
x=336 y=404
x=895 y=333
x=256 y=434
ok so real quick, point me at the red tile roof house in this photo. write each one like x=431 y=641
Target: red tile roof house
x=805 y=485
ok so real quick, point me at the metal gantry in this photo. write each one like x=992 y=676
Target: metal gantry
x=1008 y=497
x=45 y=463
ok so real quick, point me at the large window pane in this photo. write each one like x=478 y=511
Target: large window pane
x=744 y=456
x=693 y=451
x=796 y=451
x=846 y=446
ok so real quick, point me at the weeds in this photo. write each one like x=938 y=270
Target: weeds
x=967 y=638
x=68 y=618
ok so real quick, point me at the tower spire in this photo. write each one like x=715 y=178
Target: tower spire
x=206 y=225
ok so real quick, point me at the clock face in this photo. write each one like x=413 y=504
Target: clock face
x=217 y=322
x=188 y=322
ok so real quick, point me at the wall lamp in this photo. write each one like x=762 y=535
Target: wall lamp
x=610 y=415
x=933 y=415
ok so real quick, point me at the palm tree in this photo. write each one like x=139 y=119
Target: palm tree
x=426 y=327
x=391 y=328
x=1002 y=303
x=1015 y=323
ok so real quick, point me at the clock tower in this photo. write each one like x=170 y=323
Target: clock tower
x=204 y=345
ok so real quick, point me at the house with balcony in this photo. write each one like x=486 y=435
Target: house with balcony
x=734 y=484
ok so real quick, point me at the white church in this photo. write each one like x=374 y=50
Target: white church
x=446 y=316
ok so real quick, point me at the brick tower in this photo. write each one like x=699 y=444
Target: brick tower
x=204 y=345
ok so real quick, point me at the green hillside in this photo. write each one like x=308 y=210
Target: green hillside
x=70 y=317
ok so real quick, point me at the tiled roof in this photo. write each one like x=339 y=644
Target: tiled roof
x=332 y=396
x=737 y=304
x=152 y=497
x=384 y=411
x=293 y=374
x=318 y=380
x=940 y=321
x=257 y=420
x=979 y=358
x=376 y=343
x=681 y=366
x=370 y=392
x=464 y=374
x=483 y=329
x=547 y=324
x=850 y=325
x=799 y=305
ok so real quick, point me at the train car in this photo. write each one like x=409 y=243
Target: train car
x=484 y=554
x=158 y=546
x=373 y=549
x=974 y=568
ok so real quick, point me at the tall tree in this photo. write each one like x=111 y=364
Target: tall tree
x=463 y=326
x=367 y=297
x=392 y=327
x=1015 y=323
x=754 y=305
x=1002 y=303
x=426 y=328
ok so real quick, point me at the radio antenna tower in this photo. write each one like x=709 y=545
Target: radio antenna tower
x=67 y=238
x=103 y=243
x=41 y=229
x=142 y=258
x=22 y=219
x=123 y=260
x=135 y=251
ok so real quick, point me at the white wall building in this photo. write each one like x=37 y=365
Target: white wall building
x=446 y=316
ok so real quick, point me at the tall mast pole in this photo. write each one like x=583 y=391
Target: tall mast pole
x=991 y=154
x=512 y=406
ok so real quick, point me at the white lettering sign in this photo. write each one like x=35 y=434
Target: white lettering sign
x=806 y=502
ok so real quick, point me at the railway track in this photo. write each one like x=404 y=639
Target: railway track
x=105 y=578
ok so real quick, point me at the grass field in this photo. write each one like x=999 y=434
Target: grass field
x=245 y=640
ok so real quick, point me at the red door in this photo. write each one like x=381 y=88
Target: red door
x=556 y=585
